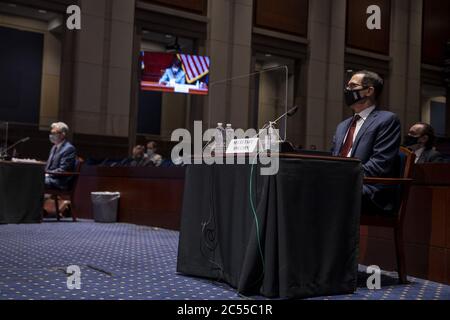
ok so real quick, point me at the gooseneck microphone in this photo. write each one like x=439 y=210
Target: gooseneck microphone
x=5 y=152
x=290 y=113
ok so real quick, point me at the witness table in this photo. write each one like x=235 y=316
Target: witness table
x=297 y=238
x=21 y=192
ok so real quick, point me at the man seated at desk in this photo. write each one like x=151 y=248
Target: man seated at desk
x=173 y=75
x=138 y=158
x=62 y=157
x=371 y=135
x=421 y=139
x=151 y=154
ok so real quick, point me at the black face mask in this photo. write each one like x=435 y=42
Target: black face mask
x=353 y=96
x=410 y=141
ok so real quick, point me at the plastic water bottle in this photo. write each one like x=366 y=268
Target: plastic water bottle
x=219 y=138
x=272 y=137
x=229 y=133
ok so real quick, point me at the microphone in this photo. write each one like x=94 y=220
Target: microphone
x=5 y=152
x=290 y=113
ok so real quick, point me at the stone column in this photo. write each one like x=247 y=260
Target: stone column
x=413 y=75
x=336 y=70
x=405 y=47
x=229 y=44
x=325 y=71
x=103 y=65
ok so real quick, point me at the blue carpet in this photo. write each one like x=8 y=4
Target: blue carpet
x=124 y=261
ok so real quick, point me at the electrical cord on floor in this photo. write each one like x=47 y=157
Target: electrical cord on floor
x=209 y=234
x=255 y=216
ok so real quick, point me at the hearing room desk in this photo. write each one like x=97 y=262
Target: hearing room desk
x=298 y=238
x=21 y=192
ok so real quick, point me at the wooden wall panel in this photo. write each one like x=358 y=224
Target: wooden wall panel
x=288 y=16
x=435 y=30
x=148 y=196
x=358 y=36
x=194 y=6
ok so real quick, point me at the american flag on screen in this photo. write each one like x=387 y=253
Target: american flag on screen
x=195 y=67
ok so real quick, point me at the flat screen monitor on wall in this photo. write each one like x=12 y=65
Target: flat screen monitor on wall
x=174 y=72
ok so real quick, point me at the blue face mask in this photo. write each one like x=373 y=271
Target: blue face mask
x=54 y=138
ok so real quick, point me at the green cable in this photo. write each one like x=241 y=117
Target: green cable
x=254 y=214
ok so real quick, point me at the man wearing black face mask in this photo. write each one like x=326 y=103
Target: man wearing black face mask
x=371 y=135
x=420 y=139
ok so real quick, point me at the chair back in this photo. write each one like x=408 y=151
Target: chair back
x=73 y=183
x=78 y=163
x=407 y=158
x=406 y=162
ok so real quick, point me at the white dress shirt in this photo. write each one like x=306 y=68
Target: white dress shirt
x=363 y=116
x=418 y=153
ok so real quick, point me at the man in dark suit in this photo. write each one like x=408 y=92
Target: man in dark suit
x=137 y=159
x=62 y=157
x=371 y=135
x=421 y=139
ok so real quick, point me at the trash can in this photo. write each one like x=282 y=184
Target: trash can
x=105 y=205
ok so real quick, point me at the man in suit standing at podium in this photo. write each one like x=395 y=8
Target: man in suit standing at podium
x=62 y=157
x=371 y=135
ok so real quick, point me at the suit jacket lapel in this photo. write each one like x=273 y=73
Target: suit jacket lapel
x=366 y=125
x=424 y=156
x=59 y=151
x=341 y=135
x=52 y=156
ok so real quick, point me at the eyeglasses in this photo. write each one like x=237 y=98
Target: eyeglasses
x=353 y=86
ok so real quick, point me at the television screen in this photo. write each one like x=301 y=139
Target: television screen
x=174 y=72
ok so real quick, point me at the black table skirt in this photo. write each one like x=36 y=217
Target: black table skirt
x=304 y=241
x=21 y=192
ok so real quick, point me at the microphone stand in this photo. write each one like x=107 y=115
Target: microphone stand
x=5 y=156
x=271 y=124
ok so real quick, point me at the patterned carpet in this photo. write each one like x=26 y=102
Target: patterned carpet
x=124 y=261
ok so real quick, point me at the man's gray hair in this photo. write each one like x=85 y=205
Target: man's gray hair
x=60 y=126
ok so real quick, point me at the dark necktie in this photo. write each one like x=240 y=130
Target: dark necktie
x=348 y=144
x=50 y=159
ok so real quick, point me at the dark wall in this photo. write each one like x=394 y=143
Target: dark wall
x=194 y=6
x=149 y=113
x=289 y=16
x=21 y=54
x=358 y=35
x=436 y=30
x=88 y=146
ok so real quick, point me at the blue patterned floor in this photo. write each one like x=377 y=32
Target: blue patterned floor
x=124 y=261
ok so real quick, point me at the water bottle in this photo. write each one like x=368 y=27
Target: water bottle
x=272 y=138
x=229 y=133
x=219 y=138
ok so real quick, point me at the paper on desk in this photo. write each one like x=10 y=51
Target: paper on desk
x=25 y=160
